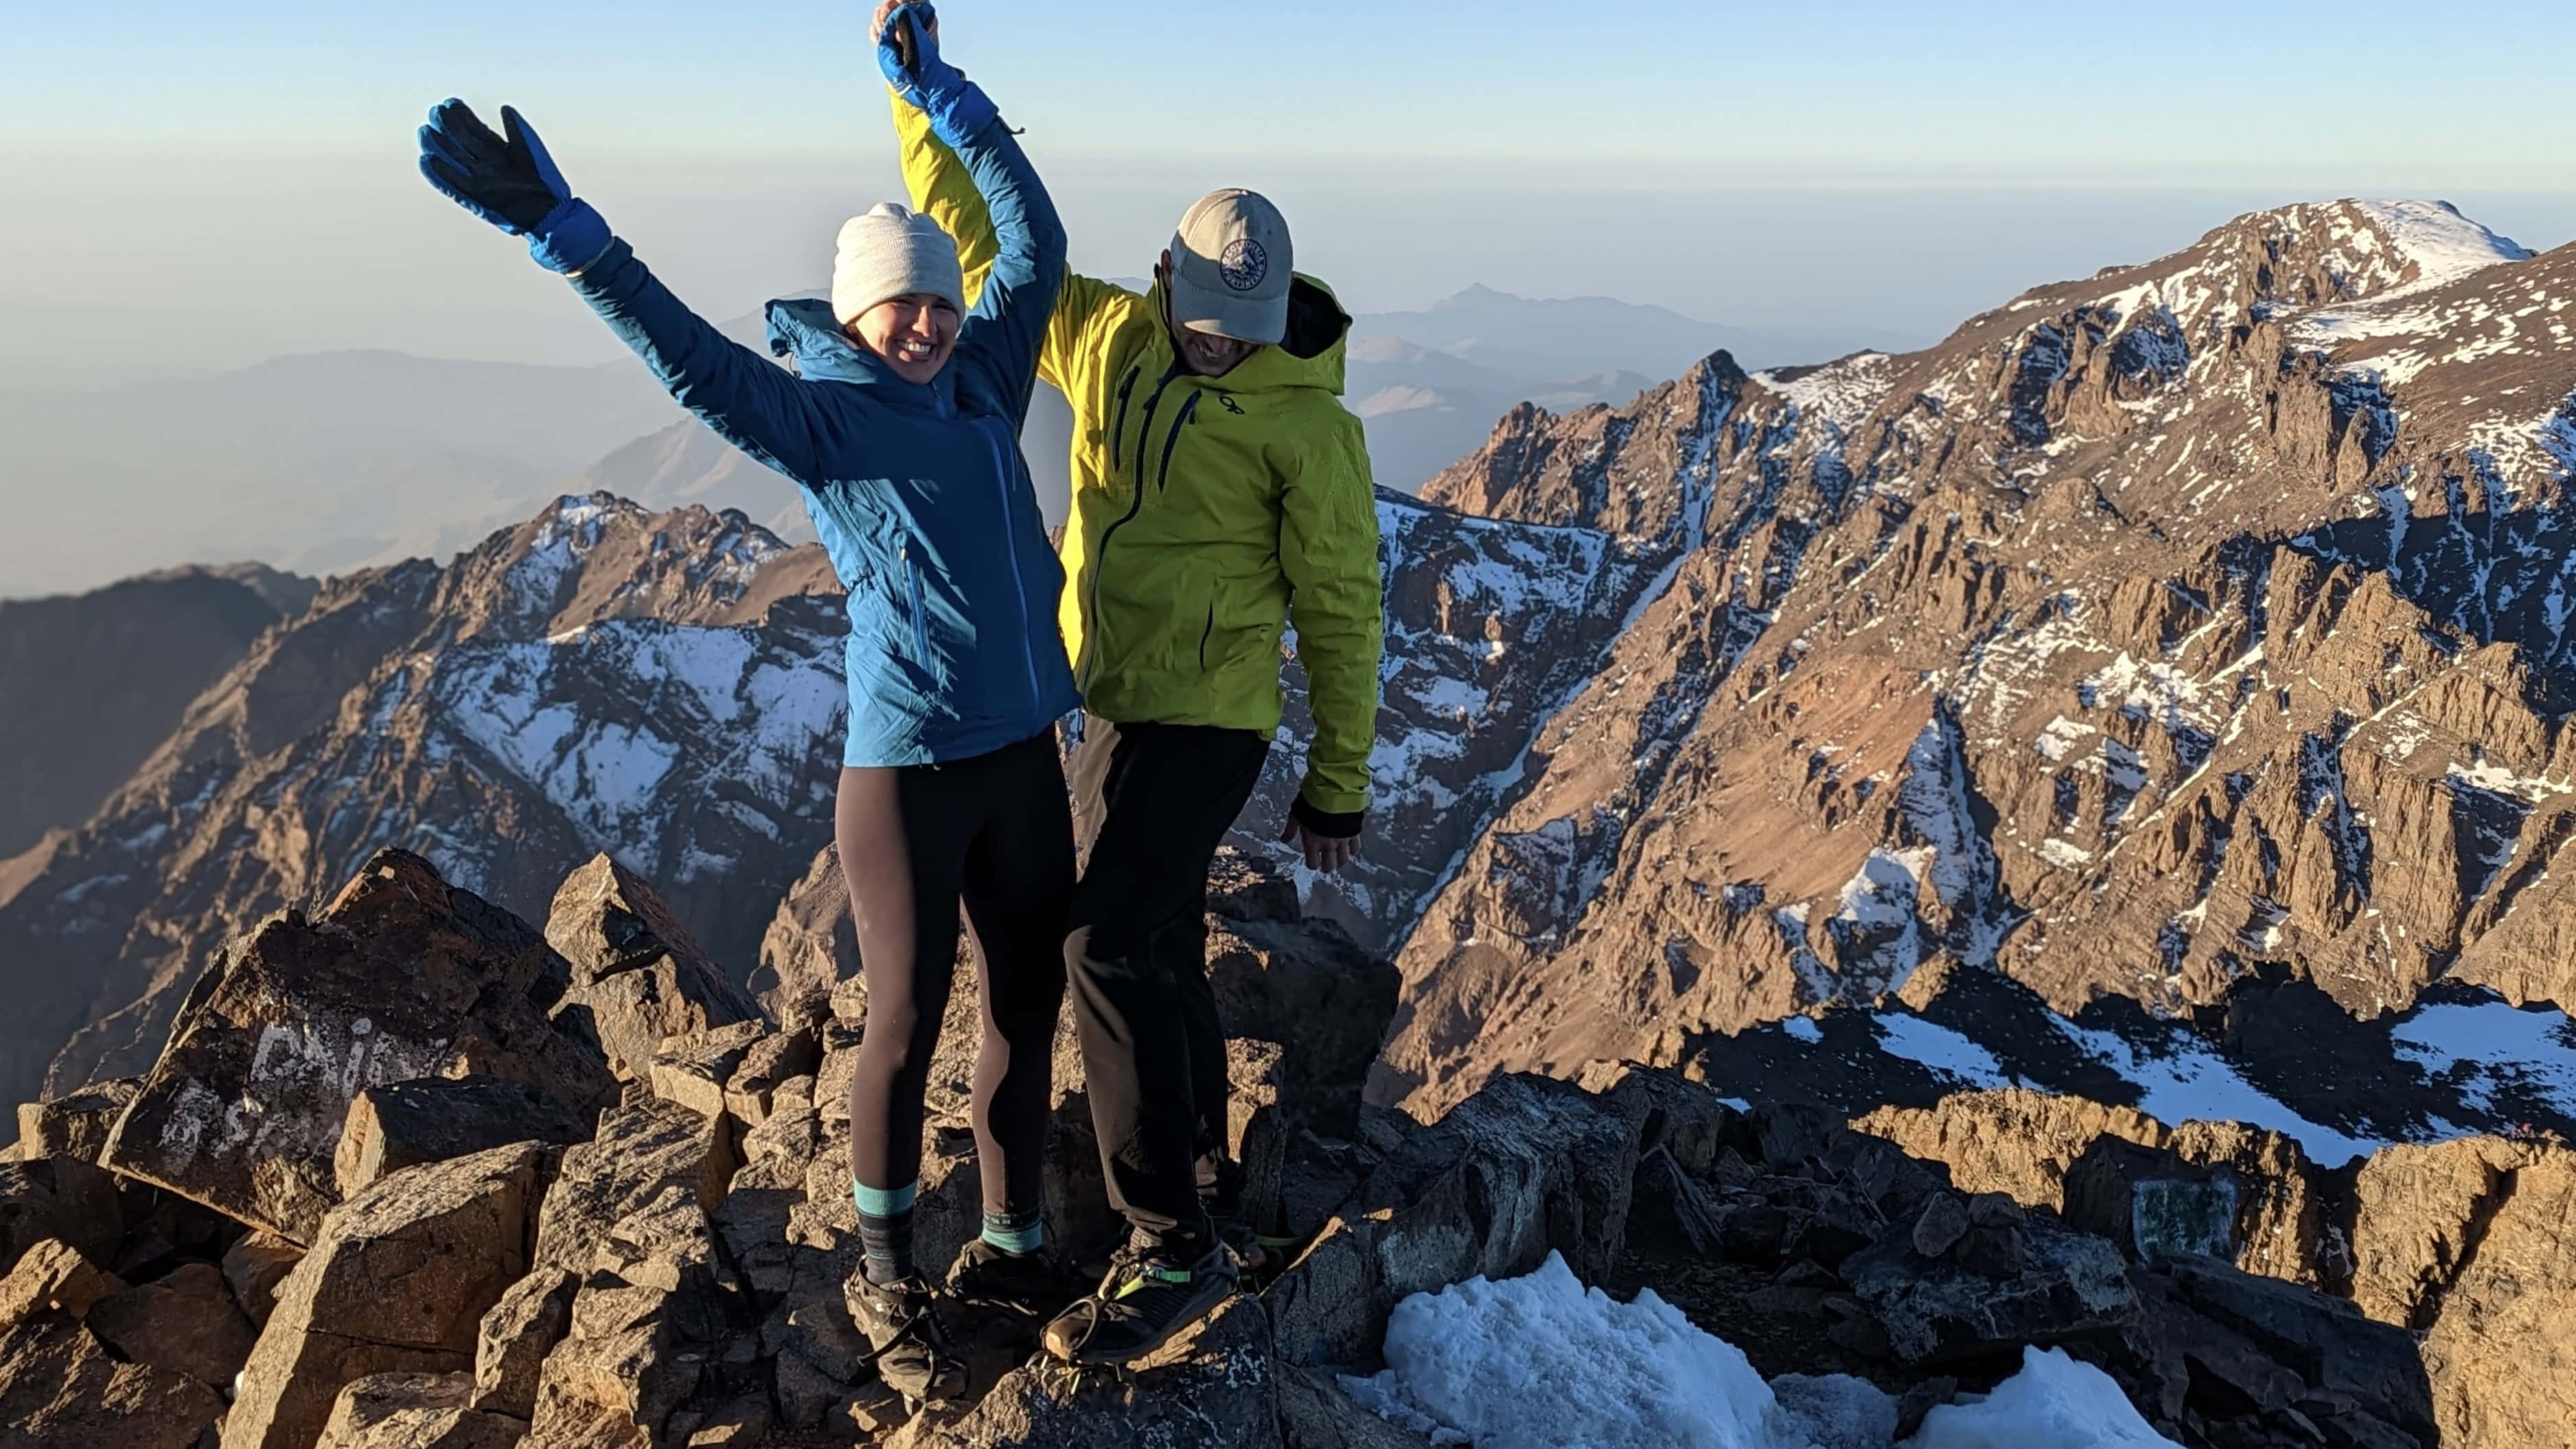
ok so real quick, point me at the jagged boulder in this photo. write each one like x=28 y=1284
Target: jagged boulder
x=401 y=977
x=1525 y=1166
x=512 y=1343
x=76 y=1124
x=398 y=1281
x=1216 y=1385
x=812 y=949
x=2220 y=1342
x=1300 y=982
x=415 y=1411
x=694 y=1069
x=638 y=976
x=775 y=1061
x=60 y=1388
x=661 y=1319
x=254 y=1266
x=640 y=1152
x=2049 y=1285
x=63 y=1198
x=186 y=1322
x=52 y=1277
x=405 y=1124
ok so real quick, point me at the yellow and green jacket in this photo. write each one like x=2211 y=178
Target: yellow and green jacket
x=1207 y=511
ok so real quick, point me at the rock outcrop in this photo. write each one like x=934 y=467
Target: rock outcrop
x=402 y=976
x=637 y=974
x=2217 y=1188
x=398 y=1281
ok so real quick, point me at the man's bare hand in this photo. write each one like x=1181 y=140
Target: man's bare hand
x=885 y=12
x=1323 y=852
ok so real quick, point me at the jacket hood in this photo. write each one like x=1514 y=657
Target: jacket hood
x=1312 y=355
x=805 y=329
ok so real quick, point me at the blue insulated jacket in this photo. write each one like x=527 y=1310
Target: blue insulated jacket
x=918 y=491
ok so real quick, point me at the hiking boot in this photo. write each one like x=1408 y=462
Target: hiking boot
x=1028 y=1284
x=901 y=1321
x=1152 y=1293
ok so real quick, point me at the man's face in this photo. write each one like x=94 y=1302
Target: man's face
x=1204 y=353
x=914 y=333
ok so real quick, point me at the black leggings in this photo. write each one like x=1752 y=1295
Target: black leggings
x=995 y=830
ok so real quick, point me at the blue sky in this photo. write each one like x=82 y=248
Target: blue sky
x=2182 y=93
x=195 y=187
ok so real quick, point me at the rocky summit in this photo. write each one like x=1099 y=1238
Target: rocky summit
x=435 y=1217
x=2050 y=852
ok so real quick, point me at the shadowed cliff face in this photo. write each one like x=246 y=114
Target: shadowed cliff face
x=2201 y=619
x=94 y=682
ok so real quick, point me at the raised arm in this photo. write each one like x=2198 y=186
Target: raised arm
x=949 y=186
x=510 y=182
x=1020 y=263
x=1328 y=548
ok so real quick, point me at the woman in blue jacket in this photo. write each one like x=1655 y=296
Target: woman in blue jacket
x=901 y=425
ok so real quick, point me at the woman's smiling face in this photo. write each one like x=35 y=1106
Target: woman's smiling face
x=914 y=333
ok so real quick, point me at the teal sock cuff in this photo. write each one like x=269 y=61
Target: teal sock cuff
x=878 y=1202
x=1014 y=1235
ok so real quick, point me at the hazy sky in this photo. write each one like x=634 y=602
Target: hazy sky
x=195 y=187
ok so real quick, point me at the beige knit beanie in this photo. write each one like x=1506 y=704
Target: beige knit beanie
x=890 y=252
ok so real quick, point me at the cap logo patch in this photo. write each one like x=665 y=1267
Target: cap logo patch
x=1244 y=264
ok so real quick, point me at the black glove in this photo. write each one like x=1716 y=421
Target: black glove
x=510 y=182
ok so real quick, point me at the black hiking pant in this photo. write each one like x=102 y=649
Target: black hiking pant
x=1152 y=802
x=995 y=831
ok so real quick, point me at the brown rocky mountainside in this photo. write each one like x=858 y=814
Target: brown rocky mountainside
x=662 y=687
x=95 y=682
x=2198 y=623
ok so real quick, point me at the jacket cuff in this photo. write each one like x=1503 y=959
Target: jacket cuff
x=572 y=237
x=1332 y=824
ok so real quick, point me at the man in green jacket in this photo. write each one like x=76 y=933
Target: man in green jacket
x=1220 y=492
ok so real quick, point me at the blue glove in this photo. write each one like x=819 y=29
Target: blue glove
x=512 y=183
x=957 y=107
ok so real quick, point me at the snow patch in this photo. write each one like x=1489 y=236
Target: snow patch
x=1541 y=1362
x=2193 y=1084
x=1936 y=1046
x=2493 y=1045
x=2054 y=1401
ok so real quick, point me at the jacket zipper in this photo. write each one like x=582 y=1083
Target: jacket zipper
x=1002 y=476
x=1134 y=505
x=1118 y=429
x=1203 y=636
x=1163 y=476
x=920 y=626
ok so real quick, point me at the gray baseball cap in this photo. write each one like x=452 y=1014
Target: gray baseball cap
x=1230 y=267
